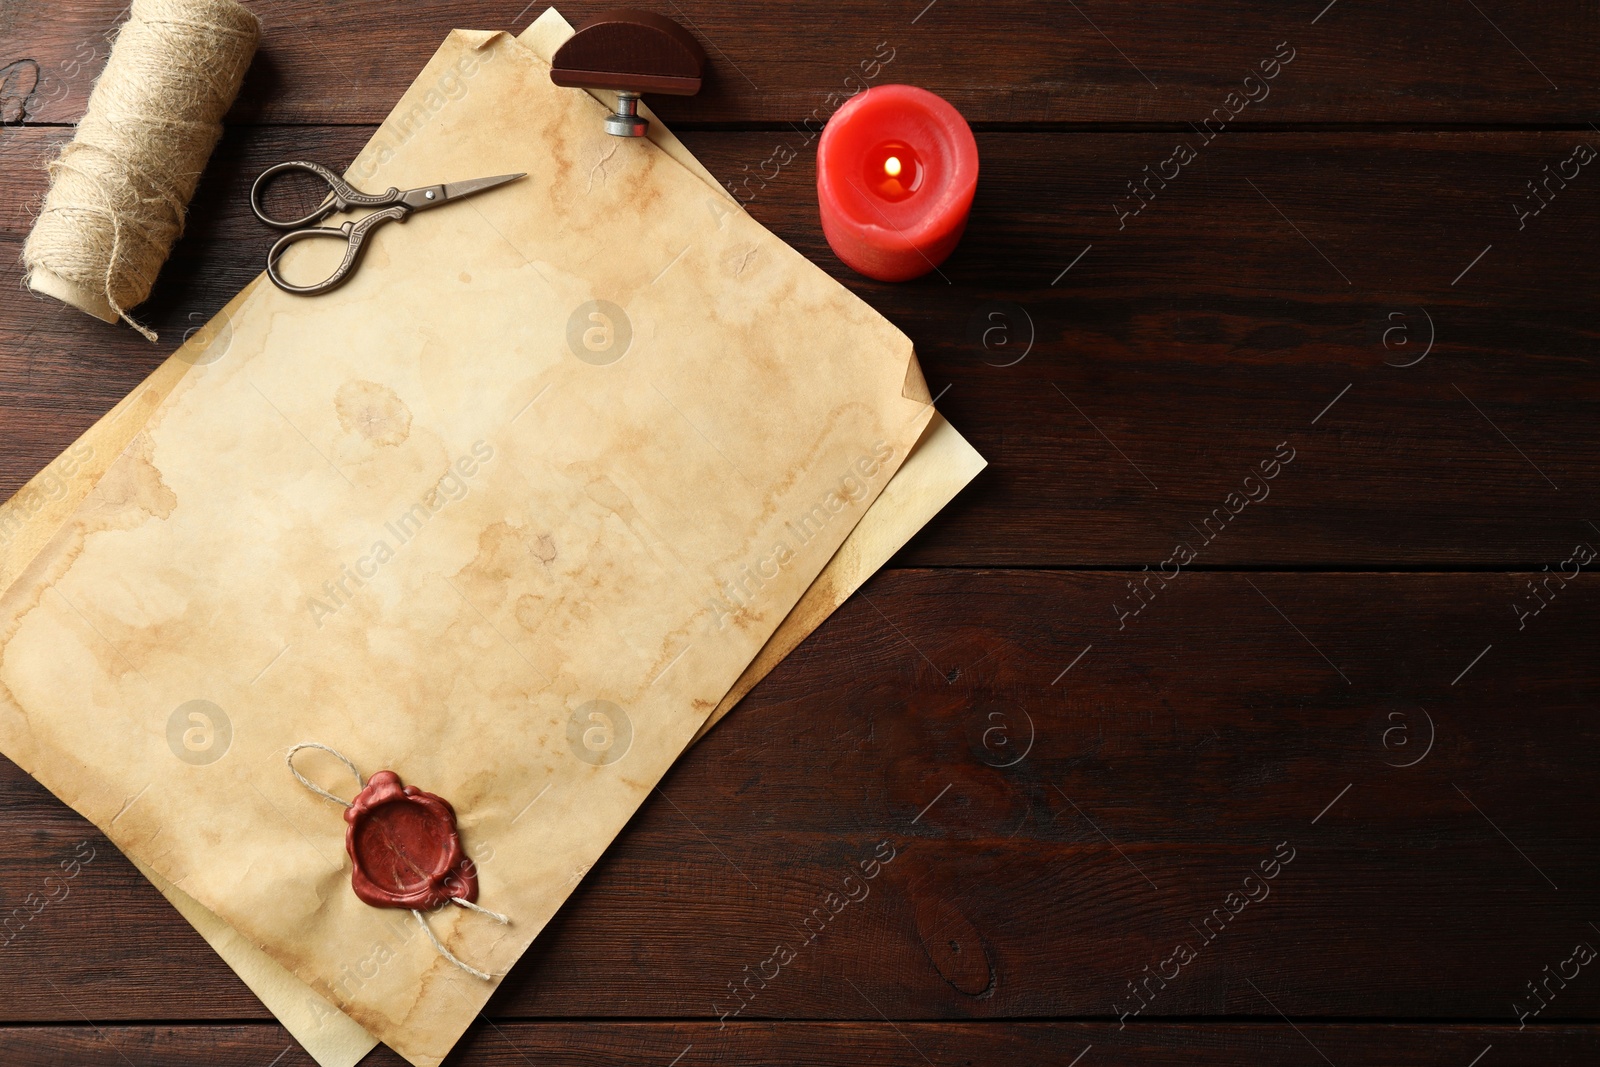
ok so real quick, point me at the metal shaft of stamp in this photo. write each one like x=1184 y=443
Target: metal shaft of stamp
x=625 y=121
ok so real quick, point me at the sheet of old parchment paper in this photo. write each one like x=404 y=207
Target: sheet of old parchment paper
x=938 y=467
x=422 y=520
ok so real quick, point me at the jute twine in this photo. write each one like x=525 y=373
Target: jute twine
x=120 y=188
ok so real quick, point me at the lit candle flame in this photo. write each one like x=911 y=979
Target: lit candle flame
x=891 y=166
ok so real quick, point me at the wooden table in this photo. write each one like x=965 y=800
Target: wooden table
x=1371 y=677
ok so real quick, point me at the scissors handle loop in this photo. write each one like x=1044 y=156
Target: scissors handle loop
x=354 y=234
x=342 y=196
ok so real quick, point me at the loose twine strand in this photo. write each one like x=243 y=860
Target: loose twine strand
x=120 y=189
x=313 y=786
x=462 y=901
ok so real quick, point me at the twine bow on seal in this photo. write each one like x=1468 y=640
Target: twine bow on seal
x=404 y=847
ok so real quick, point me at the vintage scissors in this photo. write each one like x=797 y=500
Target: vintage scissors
x=392 y=205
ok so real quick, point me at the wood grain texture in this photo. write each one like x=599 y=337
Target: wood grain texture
x=582 y=1044
x=1051 y=838
x=1169 y=363
x=1008 y=62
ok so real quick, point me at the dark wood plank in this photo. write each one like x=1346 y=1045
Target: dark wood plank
x=516 y=1044
x=1144 y=785
x=1011 y=62
x=1166 y=366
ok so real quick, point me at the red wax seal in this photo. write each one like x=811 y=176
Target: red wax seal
x=405 y=848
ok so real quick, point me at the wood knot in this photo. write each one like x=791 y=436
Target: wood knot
x=955 y=948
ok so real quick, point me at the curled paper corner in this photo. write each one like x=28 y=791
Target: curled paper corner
x=546 y=33
x=916 y=386
x=478 y=40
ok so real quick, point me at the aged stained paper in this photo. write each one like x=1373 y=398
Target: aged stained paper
x=559 y=532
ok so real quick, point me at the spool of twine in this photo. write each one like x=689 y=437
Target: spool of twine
x=119 y=190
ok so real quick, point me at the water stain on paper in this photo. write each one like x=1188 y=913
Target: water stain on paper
x=133 y=484
x=374 y=411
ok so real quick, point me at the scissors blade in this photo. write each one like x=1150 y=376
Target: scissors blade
x=434 y=195
x=455 y=190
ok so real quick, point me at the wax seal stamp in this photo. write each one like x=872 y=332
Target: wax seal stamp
x=631 y=52
x=405 y=848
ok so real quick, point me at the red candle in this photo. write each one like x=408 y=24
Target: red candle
x=896 y=170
